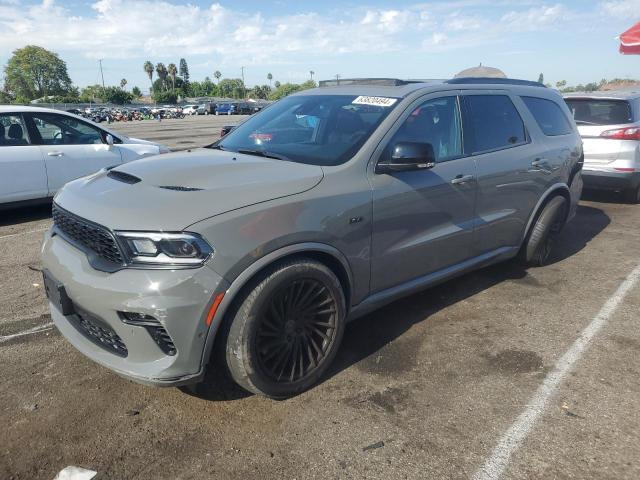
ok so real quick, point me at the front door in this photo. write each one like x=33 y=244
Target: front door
x=22 y=171
x=423 y=220
x=71 y=148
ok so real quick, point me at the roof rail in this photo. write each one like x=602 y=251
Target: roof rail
x=492 y=81
x=391 y=82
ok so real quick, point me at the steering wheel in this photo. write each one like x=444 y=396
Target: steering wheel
x=57 y=135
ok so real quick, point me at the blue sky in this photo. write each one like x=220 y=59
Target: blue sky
x=571 y=40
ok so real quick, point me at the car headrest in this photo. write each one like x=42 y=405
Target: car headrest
x=15 y=131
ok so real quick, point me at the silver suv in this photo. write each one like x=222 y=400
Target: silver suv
x=319 y=209
x=609 y=123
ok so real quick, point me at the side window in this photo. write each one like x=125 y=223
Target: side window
x=62 y=130
x=12 y=131
x=492 y=123
x=548 y=115
x=436 y=122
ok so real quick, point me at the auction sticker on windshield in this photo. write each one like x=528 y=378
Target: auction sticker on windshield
x=377 y=101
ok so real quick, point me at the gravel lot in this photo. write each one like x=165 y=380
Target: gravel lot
x=424 y=388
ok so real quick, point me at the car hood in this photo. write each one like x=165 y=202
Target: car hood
x=172 y=191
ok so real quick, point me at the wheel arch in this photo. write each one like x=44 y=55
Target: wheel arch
x=554 y=190
x=325 y=254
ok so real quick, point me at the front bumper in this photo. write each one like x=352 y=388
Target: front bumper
x=178 y=299
x=610 y=180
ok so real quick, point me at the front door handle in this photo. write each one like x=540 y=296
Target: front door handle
x=541 y=165
x=461 y=179
x=55 y=154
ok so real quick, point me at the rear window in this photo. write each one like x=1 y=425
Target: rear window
x=550 y=118
x=492 y=123
x=592 y=111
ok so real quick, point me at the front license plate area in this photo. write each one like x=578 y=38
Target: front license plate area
x=57 y=294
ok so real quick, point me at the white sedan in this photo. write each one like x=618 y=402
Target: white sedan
x=41 y=149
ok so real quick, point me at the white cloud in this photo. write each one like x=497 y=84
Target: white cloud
x=629 y=9
x=534 y=18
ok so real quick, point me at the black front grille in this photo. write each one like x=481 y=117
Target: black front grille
x=88 y=235
x=99 y=333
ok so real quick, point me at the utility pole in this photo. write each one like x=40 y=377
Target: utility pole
x=102 y=75
x=244 y=93
x=338 y=78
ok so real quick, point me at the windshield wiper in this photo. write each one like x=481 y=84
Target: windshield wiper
x=584 y=122
x=262 y=153
x=215 y=147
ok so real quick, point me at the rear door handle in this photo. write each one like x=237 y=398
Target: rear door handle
x=55 y=154
x=461 y=179
x=540 y=162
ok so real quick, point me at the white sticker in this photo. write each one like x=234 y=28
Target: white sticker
x=377 y=101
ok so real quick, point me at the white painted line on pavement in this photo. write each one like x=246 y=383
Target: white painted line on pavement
x=511 y=440
x=31 y=331
x=23 y=233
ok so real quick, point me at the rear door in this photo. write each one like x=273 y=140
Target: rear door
x=22 y=169
x=71 y=148
x=510 y=181
x=423 y=219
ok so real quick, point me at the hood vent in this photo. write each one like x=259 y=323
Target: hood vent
x=178 y=188
x=123 y=177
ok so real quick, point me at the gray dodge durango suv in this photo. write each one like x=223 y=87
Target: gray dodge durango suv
x=250 y=255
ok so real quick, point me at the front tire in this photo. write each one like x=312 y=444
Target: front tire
x=287 y=330
x=538 y=244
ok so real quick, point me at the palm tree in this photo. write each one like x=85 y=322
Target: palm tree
x=173 y=71
x=312 y=73
x=148 y=67
x=217 y=74
x=277 y=84
x=269 y=77
x=123 y=83
x=161 y=70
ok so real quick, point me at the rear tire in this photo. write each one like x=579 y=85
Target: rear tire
x=538 y=244
x=287 y=329
x=632 y=195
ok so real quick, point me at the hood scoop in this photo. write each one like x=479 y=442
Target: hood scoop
x=123 y=177
x=178 y=188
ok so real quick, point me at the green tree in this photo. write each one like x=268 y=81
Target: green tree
x=283 y=90
x=117 y=95
x=172 y=70
x=277 y=84
x=162 y=72
x=34 y=72
x=91 y=93
x=561 y=84
x=231 y=87
x=217 y=75
x=184 y=73
x=135 y=91
x=165 y=97
x=541 y=78
x=123 y=83
x=148 y=68
x=269 y=77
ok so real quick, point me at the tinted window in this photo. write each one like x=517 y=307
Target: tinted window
x=588 y=111
x=436 y=122
x=315 y=129
x=63 y=130
x=550 y=118
x=12 y=131
x=492 y=123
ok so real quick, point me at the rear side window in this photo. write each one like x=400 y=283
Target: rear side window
x=593 y=111
x=12 y=131
x=551 y=120
x=492 y=123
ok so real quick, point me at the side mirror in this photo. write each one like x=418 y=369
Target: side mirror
x=406 y=156
x=109 y=140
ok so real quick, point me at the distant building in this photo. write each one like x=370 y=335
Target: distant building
x=481 y=71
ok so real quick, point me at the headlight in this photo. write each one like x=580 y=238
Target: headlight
x=165 y=249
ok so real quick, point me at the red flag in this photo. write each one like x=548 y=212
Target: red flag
x=630 y=41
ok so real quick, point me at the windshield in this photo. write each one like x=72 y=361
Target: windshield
x=599 y=112
x=313 y=129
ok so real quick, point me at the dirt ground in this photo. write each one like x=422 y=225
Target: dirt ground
x=423 y=388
